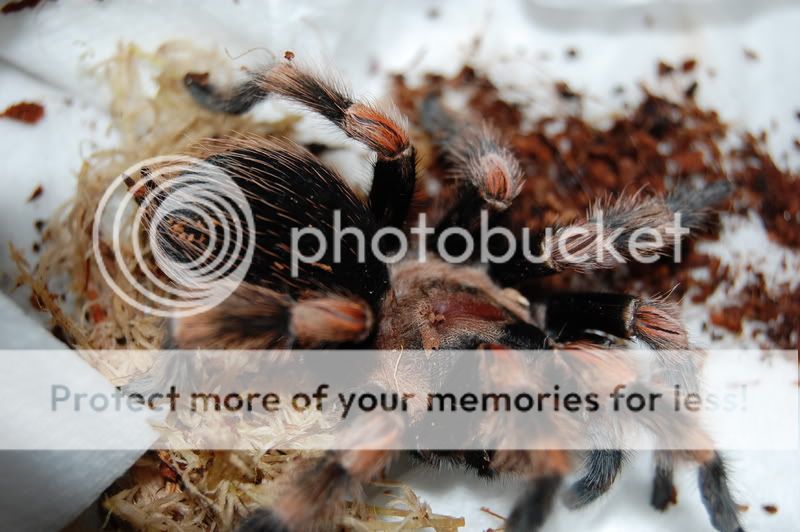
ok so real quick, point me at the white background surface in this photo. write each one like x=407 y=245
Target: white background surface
x=68 y=481
x=44 y=55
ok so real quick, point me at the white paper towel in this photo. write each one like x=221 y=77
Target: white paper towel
x=45 y=490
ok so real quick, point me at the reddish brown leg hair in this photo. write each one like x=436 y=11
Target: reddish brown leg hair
x=655 y=321
x=488 y=173
x=253 y=317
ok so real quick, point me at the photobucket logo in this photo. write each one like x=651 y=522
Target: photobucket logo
x=199 y=228
x=601 y=242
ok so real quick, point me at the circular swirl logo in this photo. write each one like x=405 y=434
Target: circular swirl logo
x=199 y=228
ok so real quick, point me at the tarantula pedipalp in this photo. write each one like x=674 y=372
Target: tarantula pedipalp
x=434 y=307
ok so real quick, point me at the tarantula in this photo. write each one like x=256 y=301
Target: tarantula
x=431 y=307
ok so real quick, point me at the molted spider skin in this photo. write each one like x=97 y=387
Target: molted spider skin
x=434 y=307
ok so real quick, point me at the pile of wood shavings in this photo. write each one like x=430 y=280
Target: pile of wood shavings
x=152 y=114
x=569 y=162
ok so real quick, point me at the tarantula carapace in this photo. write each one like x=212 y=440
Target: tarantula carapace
x=433 y=306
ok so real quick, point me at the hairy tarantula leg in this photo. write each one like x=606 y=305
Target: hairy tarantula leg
x=663 y=487
x=654 y=321
x=254 y=317
x=394 y=173
x=532 y=509
x=316 y=494
x=488 y=171
x=488 y=175
x=717 y=498
x=241 y=98
x=478 y=462
x=630 y=227
x=602 y=468
x=658 y=324
x=521 y=335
